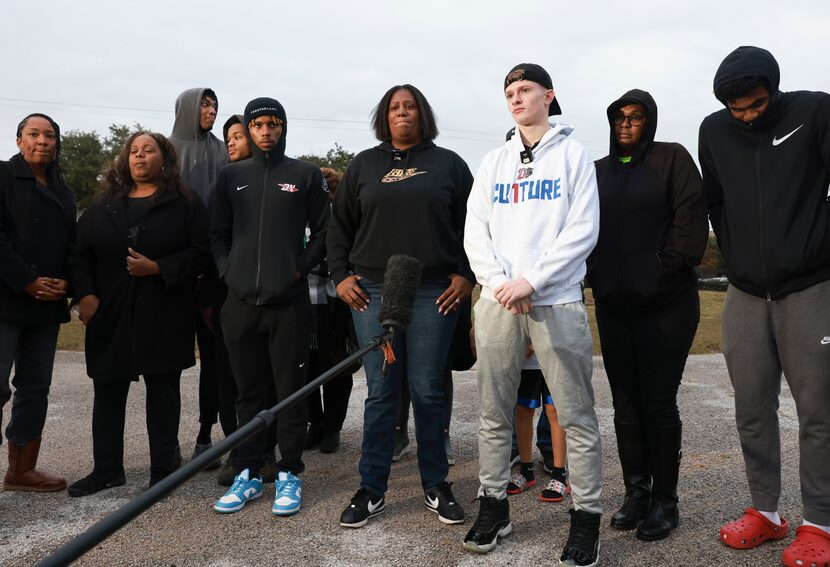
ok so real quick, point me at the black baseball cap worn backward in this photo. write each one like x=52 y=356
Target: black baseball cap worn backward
x=537 y=74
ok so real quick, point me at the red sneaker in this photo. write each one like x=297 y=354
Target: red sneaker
x=751 y=530
x=810 y=548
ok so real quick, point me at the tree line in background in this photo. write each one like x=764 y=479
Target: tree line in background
x=85 y=156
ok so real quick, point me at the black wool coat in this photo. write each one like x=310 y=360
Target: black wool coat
x=20 y=264
x=144 y=325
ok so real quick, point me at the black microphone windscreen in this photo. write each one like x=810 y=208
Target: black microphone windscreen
x=400 y=283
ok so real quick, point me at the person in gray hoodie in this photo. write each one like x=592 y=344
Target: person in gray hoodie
x=201 y=156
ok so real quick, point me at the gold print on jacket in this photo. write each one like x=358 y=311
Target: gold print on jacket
x=400 y=174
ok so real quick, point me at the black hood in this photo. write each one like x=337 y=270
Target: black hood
x=747 y=61
x=634 y=96
x=271 y=107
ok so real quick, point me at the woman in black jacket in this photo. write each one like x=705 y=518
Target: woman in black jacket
x=653 y=231
x=37 y=223
x=140 y=248
x=404 y=196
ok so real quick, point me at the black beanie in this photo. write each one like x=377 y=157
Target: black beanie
x=264 y=106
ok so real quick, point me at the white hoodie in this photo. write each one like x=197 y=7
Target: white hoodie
x=538 y=220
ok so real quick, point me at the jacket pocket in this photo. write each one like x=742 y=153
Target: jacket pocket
x=643 y=276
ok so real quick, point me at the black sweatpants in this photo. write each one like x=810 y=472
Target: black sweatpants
x=225 y=383
x=163 y=407
x=644 y=358
x=329 y=410
x=268 y=344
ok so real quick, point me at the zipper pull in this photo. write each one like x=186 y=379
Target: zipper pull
x=769 y=299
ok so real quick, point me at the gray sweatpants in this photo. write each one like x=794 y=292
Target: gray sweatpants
x=562 y=340
x=760 y=339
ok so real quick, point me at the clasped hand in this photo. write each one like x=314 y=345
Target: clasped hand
x=140 y=266
x=514 y=295
x=47 y=289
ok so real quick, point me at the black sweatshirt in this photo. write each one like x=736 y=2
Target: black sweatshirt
x=261 y=207
x=767 y=183
x=410 y=202
x=653 y=227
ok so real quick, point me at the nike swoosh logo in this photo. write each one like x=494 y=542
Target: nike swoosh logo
x=241 y=188
x=249 y=492
x=302 y=364
x=372 y=506
x=825 y=341
x=432 y=502
x=776 y=141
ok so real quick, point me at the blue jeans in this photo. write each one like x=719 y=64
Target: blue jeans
x=427 y=341
x=31 y=348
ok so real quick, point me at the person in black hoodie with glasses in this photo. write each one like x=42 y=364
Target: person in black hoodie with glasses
x=261 y=207
x=766 y=170
x=404 y=196
x=653 y=231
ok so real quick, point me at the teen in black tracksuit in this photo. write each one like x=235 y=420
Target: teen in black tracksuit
x=260 y=211
x=653 y=231
x=766 y=177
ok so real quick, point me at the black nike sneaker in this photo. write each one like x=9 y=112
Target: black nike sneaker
x=364 y=505
x=440 y=500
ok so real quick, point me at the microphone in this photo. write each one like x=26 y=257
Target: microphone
x=400 y=283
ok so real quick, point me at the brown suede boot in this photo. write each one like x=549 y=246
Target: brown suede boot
x=22 y=474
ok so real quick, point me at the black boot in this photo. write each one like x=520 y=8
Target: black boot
x=664 y=457
x=631 y=444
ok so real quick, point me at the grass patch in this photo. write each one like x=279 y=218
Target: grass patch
x=707 y=339
x=71 y=336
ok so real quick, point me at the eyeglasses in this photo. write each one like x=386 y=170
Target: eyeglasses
x=633 y=119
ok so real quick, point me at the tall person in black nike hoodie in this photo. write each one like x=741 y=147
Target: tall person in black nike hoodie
x=766 y=171
x=652 y=233
x=261 y=208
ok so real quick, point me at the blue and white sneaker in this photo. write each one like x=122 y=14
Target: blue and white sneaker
x=288 y=496
x=241 y=491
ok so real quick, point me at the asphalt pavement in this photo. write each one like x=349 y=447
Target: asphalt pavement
x=183 y=530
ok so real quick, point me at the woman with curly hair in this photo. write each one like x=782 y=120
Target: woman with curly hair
x=140 y=247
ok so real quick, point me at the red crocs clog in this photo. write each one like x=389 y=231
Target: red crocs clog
x=751 y=530
x=810 y=548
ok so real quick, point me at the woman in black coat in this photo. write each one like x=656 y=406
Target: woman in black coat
x=37 y=222
x=653 y=231
x=139 y=250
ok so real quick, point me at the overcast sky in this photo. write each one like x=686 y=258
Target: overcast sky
x=91 y=63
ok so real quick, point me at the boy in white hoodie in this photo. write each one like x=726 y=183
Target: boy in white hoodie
x=532 y=220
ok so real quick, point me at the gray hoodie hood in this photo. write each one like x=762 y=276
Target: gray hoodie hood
x=201 y=154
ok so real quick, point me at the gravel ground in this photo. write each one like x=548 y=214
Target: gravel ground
x=182 y=530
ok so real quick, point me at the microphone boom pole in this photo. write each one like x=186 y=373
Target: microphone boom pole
x=108 y=525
